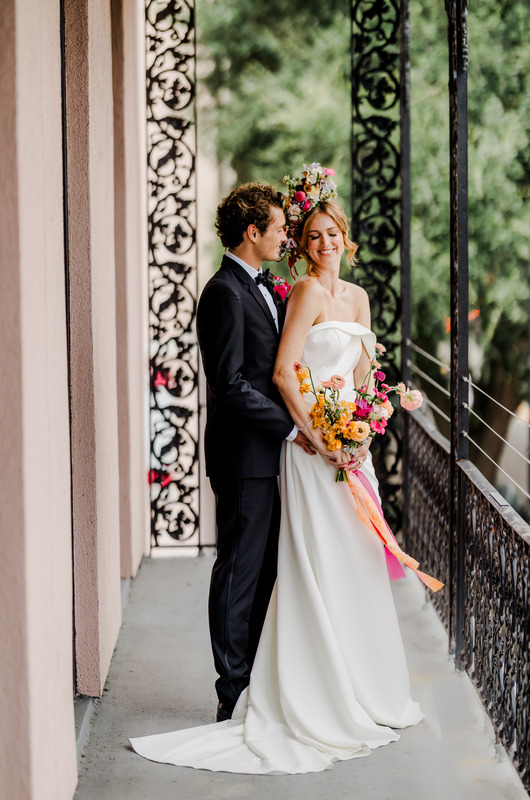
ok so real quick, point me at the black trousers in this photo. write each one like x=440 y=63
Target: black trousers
x=243 y=576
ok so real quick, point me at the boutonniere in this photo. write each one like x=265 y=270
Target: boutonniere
x=280 y=286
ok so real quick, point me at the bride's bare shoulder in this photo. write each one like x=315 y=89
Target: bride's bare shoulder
x=359 y=302
x=306 y=286
x=353 y=289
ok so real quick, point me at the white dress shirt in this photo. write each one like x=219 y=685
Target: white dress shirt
x=253 y=272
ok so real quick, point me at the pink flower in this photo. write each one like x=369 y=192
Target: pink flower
x=326 y=384
x=385 y=386
x=329 y=171
x=363 y=408
x=307 y=205
x=380 y=348
x=337 y=381
x=160 y=379
x=381 y=395
x=299 y=196
x=379 y=376
x=282 y=289
x=152 y=476
x=411 y=399
x=378 y=425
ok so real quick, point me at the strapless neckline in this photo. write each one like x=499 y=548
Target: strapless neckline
x=337 y=323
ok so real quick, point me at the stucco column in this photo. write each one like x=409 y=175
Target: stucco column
x=95 y=466
x=37 y=739
x=130 y=214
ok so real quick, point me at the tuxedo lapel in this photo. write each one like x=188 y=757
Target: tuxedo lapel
x=250 y=283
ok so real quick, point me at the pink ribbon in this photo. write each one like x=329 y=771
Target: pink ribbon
x=375 y=521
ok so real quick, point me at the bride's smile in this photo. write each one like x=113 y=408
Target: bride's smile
x=325 y=242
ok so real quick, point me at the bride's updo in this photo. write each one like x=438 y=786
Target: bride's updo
x=333 y=210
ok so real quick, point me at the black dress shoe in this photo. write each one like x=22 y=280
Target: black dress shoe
x=223 y=712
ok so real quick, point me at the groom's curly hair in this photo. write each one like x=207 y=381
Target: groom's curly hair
x=248 y=204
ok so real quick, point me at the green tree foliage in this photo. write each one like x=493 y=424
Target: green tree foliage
x=280 y=79
x=499 y=191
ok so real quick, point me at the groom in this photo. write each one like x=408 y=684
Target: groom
x=239 y=321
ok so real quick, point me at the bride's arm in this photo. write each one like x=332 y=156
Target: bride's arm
x=304 y=307
x=363 y=318
x=361 y=370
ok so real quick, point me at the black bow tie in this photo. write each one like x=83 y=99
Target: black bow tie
x=265 y=278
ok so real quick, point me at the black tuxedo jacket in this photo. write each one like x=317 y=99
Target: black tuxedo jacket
x=246 y=419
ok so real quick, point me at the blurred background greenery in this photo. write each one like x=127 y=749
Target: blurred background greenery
x=277 y=79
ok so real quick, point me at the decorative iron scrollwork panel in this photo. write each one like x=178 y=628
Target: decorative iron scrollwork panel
x=376 y=194
x=171 y=144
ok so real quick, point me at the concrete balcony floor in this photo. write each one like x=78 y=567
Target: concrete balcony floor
x=161 y=678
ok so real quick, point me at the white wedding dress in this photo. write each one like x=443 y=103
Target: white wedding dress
x=330 y=680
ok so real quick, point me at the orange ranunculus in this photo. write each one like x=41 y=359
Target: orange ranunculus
x=411 y=399
x=305 y=387
x=337 y=381
x=359 y=431
x=389 y=407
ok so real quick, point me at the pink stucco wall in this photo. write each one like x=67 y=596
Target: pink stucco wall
x=51 y=569
x=130 y=214
x=95 y=465
x=37 y=740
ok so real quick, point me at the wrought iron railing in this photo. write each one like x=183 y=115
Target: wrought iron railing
x=427 y=508
x=461 y=529
x=485 y=563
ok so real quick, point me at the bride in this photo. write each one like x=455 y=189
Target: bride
x=330 y=680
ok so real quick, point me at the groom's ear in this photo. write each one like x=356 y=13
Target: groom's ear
x=252 y=232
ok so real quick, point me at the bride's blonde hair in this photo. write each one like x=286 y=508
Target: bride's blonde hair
x=333 y=210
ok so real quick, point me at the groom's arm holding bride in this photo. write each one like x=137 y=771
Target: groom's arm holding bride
x=221 y=328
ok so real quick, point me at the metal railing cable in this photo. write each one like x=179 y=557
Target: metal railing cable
x=524 y=492
x=436 y=409
x=515 y=416
x=427 y=378
x=427 y=355
x=515 y=450
x=419 y=372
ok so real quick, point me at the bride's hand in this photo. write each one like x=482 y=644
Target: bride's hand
x=357 y=459
x=340 y=458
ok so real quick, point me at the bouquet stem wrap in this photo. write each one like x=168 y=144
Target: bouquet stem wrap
x=371 y=515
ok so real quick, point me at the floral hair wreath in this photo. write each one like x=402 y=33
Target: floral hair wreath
x=305 y=192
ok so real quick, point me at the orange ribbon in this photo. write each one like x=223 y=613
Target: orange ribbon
x=371 y=515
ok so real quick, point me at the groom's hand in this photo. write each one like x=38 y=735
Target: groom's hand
x=304 y=443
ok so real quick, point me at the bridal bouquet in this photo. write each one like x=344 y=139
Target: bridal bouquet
x=349 y=424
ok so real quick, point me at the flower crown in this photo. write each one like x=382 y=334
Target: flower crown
x=312 y=187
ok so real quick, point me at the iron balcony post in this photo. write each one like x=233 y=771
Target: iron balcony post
x=406 y=300
x=458 y=61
